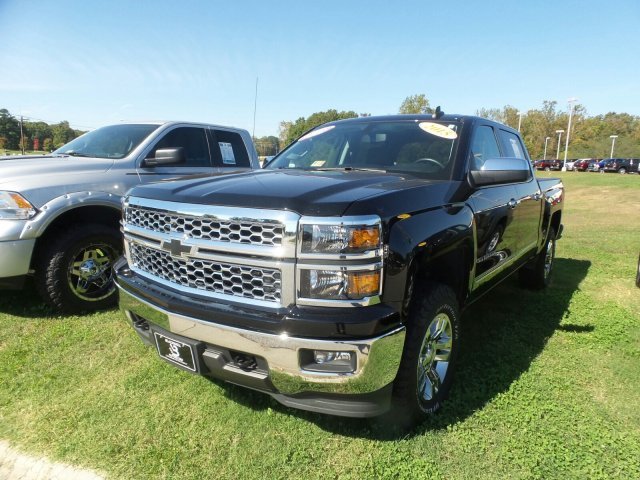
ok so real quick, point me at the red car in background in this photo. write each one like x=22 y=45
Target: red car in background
x=582 y=165
x=550 y=164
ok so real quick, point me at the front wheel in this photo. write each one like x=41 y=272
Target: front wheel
x=622 y=171
x=75 y=273
x=431 y=345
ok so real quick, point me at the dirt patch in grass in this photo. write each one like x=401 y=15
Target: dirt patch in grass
x=17 y=466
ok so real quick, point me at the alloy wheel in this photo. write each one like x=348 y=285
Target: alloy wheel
x=433 y=361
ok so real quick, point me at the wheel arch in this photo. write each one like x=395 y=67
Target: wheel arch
x=436 y=246
x=105 y=214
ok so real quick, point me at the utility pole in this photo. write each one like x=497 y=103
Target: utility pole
x=613 y=143
x=21 y=137
x=559 y=132
x=519 y=120
x=571 y=101
x=255 y=107
x=545 y=148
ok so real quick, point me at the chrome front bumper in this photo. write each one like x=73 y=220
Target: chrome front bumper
x=15 y=257
x=377 y=359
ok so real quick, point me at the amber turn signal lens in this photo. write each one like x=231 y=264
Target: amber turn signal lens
x=363 y=284
x=365 y=238
x=20 y=202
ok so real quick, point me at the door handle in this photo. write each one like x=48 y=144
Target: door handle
x=537 y=196
x=512 y=203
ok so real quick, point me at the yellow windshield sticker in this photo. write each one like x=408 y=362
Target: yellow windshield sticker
x=438 y=130
x=316 y=132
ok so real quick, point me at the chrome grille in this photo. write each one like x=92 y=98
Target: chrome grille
x=223 y=278
x=206 y=228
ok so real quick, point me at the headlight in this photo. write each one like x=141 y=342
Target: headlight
x=339 y=239
x=339 y=284
x=14 y=206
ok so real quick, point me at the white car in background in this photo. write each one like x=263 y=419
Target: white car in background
x=569 y=164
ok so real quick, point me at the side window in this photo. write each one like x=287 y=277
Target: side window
x=229 y=150
x=194 y=142
x=483 y=146
x=512 y=145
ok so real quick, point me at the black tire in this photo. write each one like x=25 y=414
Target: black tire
x=622 y=171
x=537 y=275
x=74 y=273
x=547 y=169
x=413 y=399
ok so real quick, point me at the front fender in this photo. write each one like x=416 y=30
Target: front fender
x=416 y=240
x=51 y=210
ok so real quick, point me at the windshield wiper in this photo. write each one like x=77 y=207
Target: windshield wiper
x=77 y=154
x=349 y=169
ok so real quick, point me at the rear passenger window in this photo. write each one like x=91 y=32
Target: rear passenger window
x=483 y=147
x=229 y=150
x=194 y=142
x=512 y=145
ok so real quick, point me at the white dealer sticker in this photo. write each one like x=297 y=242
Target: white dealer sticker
x=438 y=130
x=226 y=150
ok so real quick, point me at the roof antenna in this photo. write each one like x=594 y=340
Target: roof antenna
x=438 y=113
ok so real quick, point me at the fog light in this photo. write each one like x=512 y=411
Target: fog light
x=328 y=361
x=322 y=356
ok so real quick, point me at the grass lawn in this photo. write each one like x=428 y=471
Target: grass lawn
x=548 y=383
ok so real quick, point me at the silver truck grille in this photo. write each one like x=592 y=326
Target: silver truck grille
x=256 y=283
x=206 y=228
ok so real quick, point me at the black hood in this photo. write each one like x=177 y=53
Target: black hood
x=321 y=193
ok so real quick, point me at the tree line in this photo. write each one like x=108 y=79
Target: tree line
x=33 y=135
x=590 y=135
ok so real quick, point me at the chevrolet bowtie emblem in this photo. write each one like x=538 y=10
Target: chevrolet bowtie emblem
x=175 y=247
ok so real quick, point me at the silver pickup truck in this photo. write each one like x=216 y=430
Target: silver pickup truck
x=60 y=213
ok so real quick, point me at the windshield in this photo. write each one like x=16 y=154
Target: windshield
x=422 y=147
x=115 y=141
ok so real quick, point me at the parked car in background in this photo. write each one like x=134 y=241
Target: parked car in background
x=569 y=164
x=549 y=164
x=622 y=165
x=60 y=213
x=595 y=166
x=583 y=164
x=602 y=164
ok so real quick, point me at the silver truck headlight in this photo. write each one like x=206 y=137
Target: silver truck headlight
x=14 y=206
x=339 y=284
x=340 y=238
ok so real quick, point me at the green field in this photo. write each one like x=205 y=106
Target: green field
x=548 y=384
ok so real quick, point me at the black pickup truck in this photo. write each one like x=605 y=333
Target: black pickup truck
x=334 y=279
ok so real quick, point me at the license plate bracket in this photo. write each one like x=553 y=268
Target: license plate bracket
x=177 y=350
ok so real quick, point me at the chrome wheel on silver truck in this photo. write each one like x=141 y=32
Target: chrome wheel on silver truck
x=426 y=369
x=75 y=271
x=90 y=275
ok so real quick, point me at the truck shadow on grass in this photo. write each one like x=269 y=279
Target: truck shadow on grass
x=502 y=334
x=25 y=303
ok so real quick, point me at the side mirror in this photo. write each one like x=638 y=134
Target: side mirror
x=501 y=170
x=166 y=156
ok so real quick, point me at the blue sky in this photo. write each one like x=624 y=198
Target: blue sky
x=99 y=62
